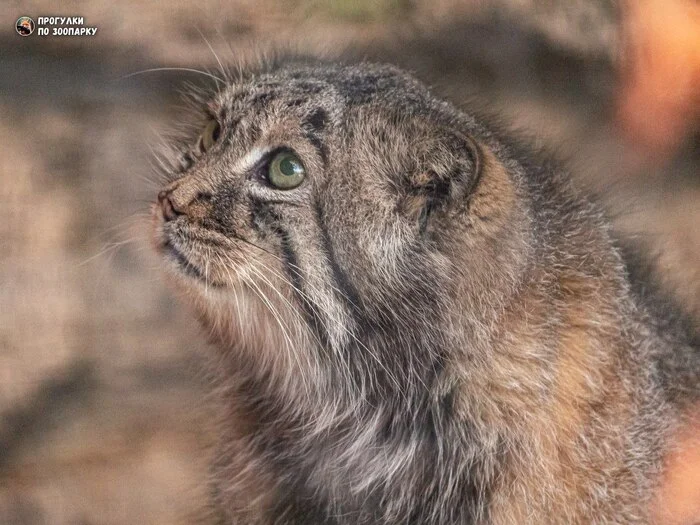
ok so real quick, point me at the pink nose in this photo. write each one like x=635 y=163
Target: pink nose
x=166 y=206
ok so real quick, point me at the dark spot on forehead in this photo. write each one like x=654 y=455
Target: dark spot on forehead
x=317 y=119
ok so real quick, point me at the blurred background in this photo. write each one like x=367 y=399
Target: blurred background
x=105 y=416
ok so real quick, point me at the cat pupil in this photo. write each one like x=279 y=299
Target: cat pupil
x=288 y=168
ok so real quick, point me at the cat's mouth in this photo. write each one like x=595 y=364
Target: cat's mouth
x=203 y=255
x=184 y=251
x=183 y=263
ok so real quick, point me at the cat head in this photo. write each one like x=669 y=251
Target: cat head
x=336 y=222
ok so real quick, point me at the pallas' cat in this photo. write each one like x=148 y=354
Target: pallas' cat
x=418 y=320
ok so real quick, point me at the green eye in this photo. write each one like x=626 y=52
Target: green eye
x=285 y=171
x=210 y=135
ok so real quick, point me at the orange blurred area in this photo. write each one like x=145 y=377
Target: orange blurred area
x=660 y=96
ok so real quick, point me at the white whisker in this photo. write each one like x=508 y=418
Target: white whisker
x=186 y=69
x=224 y=71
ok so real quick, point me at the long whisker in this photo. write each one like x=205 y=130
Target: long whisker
x=231 y=282
x=295 y=267
x=132 y=220
x=233 y=58
x=343 y=358
x=278 y=319
x=224 y=71
x=206 y=271
x=281 y=295
x=110 y=247
x=293 y=351
x=186 y=69
x=338 y=323
x=291 y=307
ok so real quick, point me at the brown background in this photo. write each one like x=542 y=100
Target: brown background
x=104 y=414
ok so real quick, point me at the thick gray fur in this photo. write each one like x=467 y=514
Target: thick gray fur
x=434 y=327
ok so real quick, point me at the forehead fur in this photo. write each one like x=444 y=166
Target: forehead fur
x=336 y=88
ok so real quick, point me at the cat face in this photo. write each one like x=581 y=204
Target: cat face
x=318 y=212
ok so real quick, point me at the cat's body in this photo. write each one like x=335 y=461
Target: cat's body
x=430 y=327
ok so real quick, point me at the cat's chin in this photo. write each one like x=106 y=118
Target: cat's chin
x=272 y=337
x=180 y=263
x=186 y=272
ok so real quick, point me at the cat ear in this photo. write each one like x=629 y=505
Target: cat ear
x=448 y=170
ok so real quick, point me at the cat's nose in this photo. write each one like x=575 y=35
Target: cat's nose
x=167 y=207
x=189 y=196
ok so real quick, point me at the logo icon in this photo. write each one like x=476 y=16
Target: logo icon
x=24 y=26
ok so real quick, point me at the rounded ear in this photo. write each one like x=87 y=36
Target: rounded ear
x=448 y=170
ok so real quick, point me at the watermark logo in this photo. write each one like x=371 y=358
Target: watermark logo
x=54 y=26
x=24 y=26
